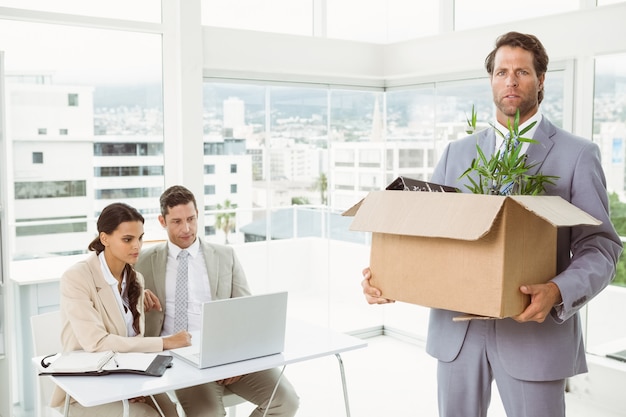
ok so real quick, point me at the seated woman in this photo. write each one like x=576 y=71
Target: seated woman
x=102 y=307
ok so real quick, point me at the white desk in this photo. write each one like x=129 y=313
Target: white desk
x=303 y=342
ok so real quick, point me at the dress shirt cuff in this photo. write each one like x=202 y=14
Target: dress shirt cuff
x=558 y=312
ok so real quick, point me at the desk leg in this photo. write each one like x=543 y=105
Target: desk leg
x=66 y=408
x=174 y=399
x=343 y=383
x=126 y=409
x=274 y=391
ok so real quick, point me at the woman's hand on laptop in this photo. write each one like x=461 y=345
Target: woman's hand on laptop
x=230 y=380
x=177 y=340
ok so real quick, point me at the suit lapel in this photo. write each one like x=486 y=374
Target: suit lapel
x=107 y=297
x=537 y=152
x=159 y=267
x=487 y=142
x=212 y=267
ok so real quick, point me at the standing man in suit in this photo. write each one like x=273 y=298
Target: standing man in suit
x=214 y=273
x=529 y=355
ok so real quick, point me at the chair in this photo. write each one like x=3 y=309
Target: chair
x=46 y=333
x=231 y=400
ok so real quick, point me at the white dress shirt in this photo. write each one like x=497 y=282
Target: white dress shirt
x=529 y=135
x=199 y=288
x=122 y=303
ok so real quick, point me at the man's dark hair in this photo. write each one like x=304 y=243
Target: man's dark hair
x=175 y=195
x=525 y=41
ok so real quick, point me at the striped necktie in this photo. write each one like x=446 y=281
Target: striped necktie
x=507 y=188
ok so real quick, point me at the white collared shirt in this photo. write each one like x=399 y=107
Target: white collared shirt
x=112 y=281
x=199 y=288
x=530 y=134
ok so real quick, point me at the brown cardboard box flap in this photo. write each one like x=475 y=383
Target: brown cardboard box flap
x=556 y=210
x=453 y=215
x=445 y=215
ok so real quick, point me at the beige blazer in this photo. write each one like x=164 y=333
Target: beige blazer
x=225 y=274
x=92 y=320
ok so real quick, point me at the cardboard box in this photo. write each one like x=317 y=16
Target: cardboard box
x=463 y=252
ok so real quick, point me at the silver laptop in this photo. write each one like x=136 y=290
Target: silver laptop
x=237 y=329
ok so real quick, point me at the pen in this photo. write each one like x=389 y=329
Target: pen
x=117 y=365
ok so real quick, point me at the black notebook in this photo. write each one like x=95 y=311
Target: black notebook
x=410 y=184
x=104 y=363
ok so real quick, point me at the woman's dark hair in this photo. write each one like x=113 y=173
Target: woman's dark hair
x=111 y=217
x=528 y=42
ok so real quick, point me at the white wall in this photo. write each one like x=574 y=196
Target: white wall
x=275 y=57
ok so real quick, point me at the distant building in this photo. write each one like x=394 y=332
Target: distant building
x=361 y=167
x=50 y=141
x=298 y=222
x=227 y=177
x=63 y=174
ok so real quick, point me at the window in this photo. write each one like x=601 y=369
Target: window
x=141 y=10
x=67 y=227
x=233 y=168
x=209 y=169
x=209 y=189
x=376 y=21
x=370 y=158
x=126 y=193
x=262 y=16
x=411 y=158
x=344 y=157
x=49 y=189
x=382 y=22
x=128 y=171
x=37 y=157
x=128 y=149
x=609 y=132
x=80 y=84
x=233 y=188
x=72 y=100
x=472 y=14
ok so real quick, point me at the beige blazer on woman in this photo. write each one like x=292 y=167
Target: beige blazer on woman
x=92 y=319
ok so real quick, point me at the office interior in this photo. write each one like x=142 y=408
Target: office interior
x=279 y=115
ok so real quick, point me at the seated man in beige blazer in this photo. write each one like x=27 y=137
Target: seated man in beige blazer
x=214 y=272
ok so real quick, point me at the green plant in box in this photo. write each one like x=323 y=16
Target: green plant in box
x=471 y=122
x=507 y=165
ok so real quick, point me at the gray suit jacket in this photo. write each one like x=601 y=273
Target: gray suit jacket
x=226 y=277
x=587 y=256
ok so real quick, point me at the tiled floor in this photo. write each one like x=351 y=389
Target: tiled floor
x=389 y=378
